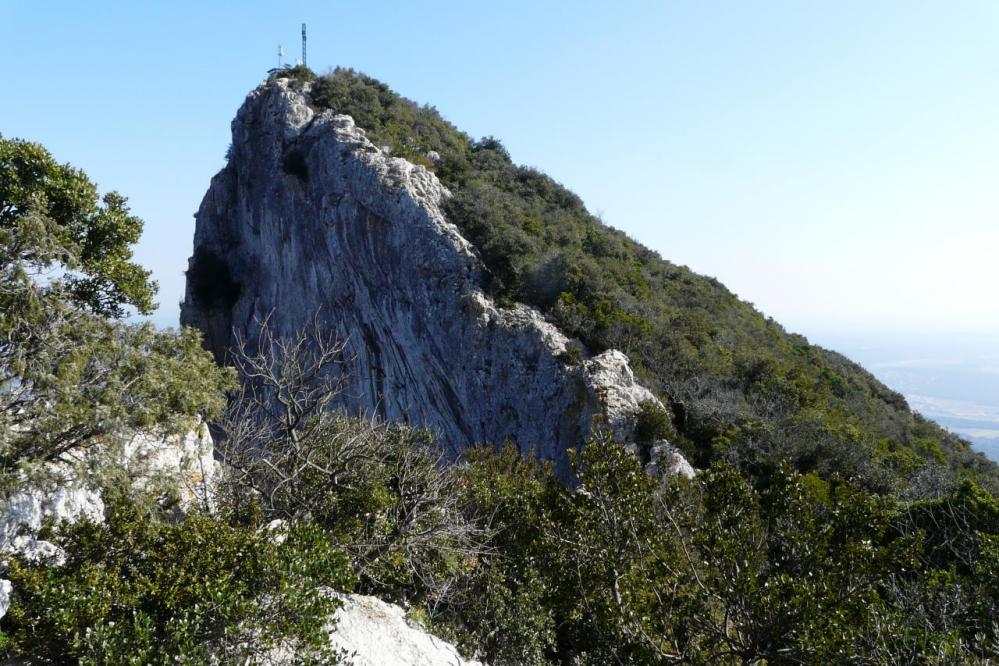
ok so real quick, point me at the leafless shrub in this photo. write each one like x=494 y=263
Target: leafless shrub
x=381 y=489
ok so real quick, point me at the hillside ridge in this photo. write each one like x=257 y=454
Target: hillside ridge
x=311 y=222
x=735 y=385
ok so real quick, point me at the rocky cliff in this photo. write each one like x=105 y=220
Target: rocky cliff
x=310 y=220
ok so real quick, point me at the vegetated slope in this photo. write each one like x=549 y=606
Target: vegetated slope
x=738 y=385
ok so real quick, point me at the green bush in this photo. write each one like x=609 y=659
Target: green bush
x=652 y=423
x=504 y=607
x=73 y=377
x=628 y=569
x=298 y=72
x=142 y=591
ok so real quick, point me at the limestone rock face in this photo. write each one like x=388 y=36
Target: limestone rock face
x=370 y=632
x=374 y=633
x=310 y=220
x=23 y=514
x=5 y=589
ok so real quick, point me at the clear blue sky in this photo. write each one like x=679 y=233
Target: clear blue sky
x=835 y=163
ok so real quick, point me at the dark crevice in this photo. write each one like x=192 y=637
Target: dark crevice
x=211 y=281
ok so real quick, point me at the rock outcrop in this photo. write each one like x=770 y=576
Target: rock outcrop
x=374 y=633
x=183 y=464
x=370 y=632
x=310 y=220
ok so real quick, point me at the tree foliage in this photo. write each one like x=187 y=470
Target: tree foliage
x=52 y=219
x=71 y=375
x=629 y=569
x=140 y=591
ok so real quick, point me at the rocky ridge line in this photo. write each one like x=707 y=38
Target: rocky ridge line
x=309 y=218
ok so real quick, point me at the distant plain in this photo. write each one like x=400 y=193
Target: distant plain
x=952 y=379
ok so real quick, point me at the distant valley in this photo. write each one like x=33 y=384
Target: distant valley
x=976 y=422
x=953 y=380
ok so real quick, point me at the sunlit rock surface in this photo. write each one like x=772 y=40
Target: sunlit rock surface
x=374 y=633
x=310 y=220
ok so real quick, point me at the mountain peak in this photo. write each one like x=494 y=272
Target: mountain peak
x=312 y=222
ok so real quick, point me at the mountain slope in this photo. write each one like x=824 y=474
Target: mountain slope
x=311 y=226
x=736 y=383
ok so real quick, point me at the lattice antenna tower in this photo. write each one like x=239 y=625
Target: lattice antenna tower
x=280 y=55
x=304 y=62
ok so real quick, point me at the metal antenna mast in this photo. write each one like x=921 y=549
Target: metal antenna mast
x=280 y=55
x=304 y=63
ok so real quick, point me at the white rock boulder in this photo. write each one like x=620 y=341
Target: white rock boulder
x=374 y=633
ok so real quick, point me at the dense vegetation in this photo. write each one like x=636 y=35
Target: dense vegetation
x=71 y=372
x=628 y=570
x=141 y=591
x=499 y=555
x=738 y=387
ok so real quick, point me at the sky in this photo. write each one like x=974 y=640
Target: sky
x=834 y=163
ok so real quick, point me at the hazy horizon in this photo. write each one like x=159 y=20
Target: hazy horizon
x=954 y=382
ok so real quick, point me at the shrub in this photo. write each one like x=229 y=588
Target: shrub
x=652 y=423
x=503 y=607
x=298 y=72
x=136 y=590
x=571 y=355
x=380 y=490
